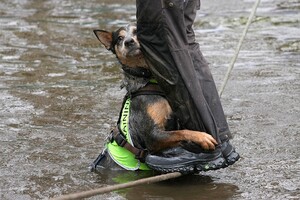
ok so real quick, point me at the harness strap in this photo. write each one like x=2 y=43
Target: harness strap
x=138 y=71
x=149 y=89
x=119 y=138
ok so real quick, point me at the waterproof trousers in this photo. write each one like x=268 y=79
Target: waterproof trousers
x=165 y=31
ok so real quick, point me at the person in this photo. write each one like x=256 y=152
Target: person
x=165 y=32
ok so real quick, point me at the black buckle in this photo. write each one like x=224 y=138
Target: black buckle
x=141 y=156
x=120 y=140
x=113 y=135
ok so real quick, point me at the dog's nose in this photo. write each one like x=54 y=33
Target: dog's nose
x=129 y=42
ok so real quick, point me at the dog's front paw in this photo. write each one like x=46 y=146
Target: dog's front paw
x=206 y=141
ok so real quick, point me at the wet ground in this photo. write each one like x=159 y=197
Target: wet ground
x=59 y=97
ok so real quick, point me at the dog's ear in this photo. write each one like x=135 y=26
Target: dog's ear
x=105 y=38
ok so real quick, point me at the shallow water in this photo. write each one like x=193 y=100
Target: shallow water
x=60 y=95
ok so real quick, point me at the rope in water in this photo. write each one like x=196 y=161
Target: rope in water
x=163 y=177
x=233 y=60
x=111 y=188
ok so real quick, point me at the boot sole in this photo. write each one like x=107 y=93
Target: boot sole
x=192 y=166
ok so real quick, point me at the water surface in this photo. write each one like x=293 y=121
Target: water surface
x=60 y=95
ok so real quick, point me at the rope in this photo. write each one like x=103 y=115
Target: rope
x=238 y=47
x=90 y=193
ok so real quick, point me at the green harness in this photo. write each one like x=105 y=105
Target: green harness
x=119 y=154
x=120 y=146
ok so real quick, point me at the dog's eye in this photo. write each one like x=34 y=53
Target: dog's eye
x=134 y=31
x=120 y=38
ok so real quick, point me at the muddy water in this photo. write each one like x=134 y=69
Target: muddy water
x=59 y=97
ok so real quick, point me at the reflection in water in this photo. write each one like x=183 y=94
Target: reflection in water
x=59 y=96
x=188 y=186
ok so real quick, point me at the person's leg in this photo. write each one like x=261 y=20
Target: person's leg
x=203 y=72
x=206 y=80
x=164 y=31
x=162 y=34
x=210 y=93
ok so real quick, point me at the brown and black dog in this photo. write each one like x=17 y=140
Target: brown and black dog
x=151 y=124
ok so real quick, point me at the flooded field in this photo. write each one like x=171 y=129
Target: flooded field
x=60 y=95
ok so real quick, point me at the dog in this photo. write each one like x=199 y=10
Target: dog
x=151 y=123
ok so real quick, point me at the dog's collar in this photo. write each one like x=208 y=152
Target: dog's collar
x=137 y=71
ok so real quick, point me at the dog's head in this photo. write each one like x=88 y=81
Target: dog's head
x=123 y=42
